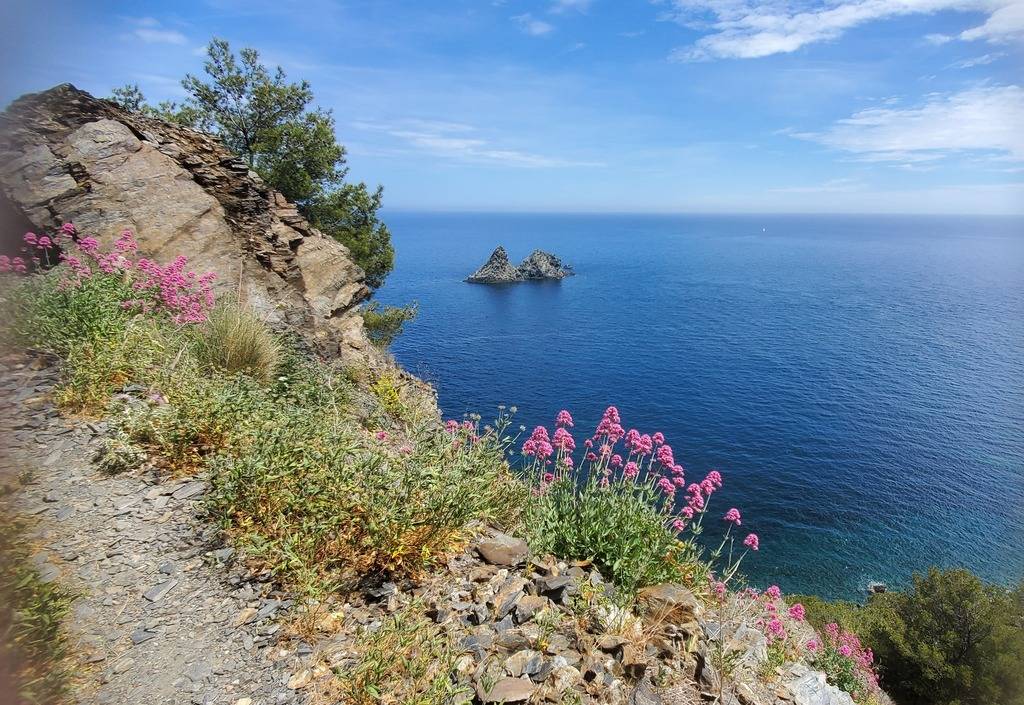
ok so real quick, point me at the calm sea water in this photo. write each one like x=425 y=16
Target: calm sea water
x=859 y=381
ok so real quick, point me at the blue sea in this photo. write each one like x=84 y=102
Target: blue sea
x=858 y=380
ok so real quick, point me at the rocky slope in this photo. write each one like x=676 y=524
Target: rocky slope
x=66 y=156
x=539 y=265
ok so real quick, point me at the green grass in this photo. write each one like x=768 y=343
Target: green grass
x=409 y=660
x=33 y=648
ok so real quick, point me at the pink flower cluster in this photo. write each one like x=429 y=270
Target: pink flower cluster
x=185 y=295
x=847 y=644
x=647 y=461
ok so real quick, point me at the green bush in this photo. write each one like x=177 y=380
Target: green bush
x=234 y=340
x=385 y=324
x=322 y=508
x=618 y=527
x=951 y=639
x=44 y=314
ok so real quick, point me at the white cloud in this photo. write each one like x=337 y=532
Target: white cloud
x=1005 y=24
x=985 y=121
x=150 y=31
x=532 y=26
x=561 y=6
x=938 y=39
x=830 y=186
x=983 y=60
x=745 y=29
x=461 y=142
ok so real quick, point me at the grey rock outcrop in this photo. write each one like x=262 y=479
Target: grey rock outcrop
x=497 y=270
x=542 y=265
x=538 y=266
x=67 y=156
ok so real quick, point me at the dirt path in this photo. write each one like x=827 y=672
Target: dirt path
x=160 y=618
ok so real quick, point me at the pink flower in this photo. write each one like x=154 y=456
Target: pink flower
x=5 y=263
x=797 y=612
x=45 y=242
x=845 y=650
x=678 y=524
x=666 y=486
x=658 y=438
x=563 y=440
x=451 y=426
x=564 y=418
x=381 y=435
x=68 y=229
x=588 y=444
x=89 y=245
x=733 y=515
x=719 y=588
x=567 y=461
x=775 y=628
x=812 y=645
x=30 y=239
x=773 y=592
x=715 y=478
x=665 y=456
x=548 y=477
x=631 y=470
x=405 y=450
x=751 y=542
x=616 y=461
x=687 y=512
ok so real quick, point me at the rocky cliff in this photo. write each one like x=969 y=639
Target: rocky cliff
x=67 y=156
x=539 y=265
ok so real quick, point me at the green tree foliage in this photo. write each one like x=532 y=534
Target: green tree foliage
x=268 y=121
x=384 y=324
x=951 y=639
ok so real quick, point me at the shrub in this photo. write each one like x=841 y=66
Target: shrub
x=624 y=513
x=385 y=389
x=408 y=660
x=45 y=313
x=323 y=507
x=99 y=367
x=32 y=644
x=847 y=664
x=385 y=324
x=952 y=638
x=233 y=340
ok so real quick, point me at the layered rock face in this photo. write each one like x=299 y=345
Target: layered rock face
x=67 y=157
x=539 y=265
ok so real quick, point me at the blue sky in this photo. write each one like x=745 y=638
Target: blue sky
x=605 y=105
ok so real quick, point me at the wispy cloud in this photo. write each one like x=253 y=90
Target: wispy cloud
x=984 y=121
x=745 y=29
x=561 y=6
x=983 y=60
x=151 y=31
x=461 y=142
x=532 y=26
x=830 y=186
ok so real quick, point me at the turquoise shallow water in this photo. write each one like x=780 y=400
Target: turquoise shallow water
x=859 y=381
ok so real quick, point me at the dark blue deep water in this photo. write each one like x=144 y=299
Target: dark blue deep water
x=859 y=381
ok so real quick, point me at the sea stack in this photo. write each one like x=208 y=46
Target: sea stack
x=538 y=266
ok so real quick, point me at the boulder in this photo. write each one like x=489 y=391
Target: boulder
x=502 y=549
x=669 y=602
x=506 y=690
